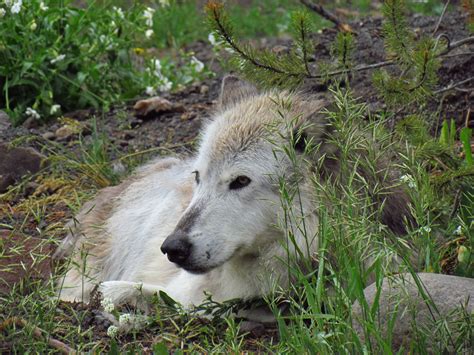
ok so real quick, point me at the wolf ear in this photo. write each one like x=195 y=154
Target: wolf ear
x=234 y=90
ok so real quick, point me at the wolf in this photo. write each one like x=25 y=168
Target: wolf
x=209 y=224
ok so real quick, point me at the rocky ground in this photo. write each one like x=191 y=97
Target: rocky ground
x=173 y=130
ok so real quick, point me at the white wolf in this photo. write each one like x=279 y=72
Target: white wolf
x=209 y=223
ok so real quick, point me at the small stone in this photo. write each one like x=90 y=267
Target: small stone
x=30 y=123
x=128 y=134
x=156 y=104
x=255 y=329
x=17 y=162
x=279 y=49
x=4 y=121
x=118 y=167
x=49 y=136
x=30 y=188
x=204 y=89
x=64 y=133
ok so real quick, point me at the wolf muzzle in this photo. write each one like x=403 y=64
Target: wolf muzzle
x=177 y=247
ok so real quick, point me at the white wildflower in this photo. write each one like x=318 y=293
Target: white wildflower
x=148 y=33
x=16 y=7
x=33 y=26
x=164 y=3
x=2 y=12
x=9 y=3
x=405 y=178
x=43 y=7
x=125 y=319
x=408 y=179
x=150 y=91
x=32 y=113
x=166 y=85
x=112 y=331
x=425 y=229
x=197 y=64
x=119 y=12
x=148 y=15
x=58 y=58
x=156 y=64
x=107 y=305
x=458 y=230
x=212 y=39
x=55 y=109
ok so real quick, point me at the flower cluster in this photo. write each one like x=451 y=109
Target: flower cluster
x=125 y=319
x=112 y=331
x=148 y=16
x=164 y=84
x=14 y=6
x=32 y=113
x=107 y=305
x=196 y=64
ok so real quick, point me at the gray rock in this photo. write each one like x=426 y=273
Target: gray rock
x=418 y=324
x=16 y=163
x=4 y=121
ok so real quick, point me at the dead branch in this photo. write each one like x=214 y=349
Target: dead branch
x=453 y=85
x=341 y=26
x=38 y=333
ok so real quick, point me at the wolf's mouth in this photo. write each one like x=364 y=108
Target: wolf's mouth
x=197 y=270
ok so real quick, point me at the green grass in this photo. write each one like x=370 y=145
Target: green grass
x=354 y=247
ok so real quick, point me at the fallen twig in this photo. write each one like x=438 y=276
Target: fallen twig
x=38 y=333
x=441 y=17
x=453 y=85
x=344 y=27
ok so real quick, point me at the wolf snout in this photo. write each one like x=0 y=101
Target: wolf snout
x=177 y=248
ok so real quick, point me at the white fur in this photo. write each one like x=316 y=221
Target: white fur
x=235 y=237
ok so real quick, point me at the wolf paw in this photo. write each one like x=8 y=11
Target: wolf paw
x=120 y=292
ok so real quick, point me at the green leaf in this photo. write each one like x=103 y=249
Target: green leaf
x=167 y=299
x=444 y=134
x=160 y=349
x=465 y=137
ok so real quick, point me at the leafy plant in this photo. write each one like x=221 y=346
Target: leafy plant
x=57 y=57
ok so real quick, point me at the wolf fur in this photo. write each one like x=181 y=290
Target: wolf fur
x=216 y=214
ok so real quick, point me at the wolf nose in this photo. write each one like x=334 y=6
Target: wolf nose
x=177 y=250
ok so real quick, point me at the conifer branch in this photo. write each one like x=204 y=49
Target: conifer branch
x=303 y=47
x=217 y=15
x=269 y=69
x=343 y=27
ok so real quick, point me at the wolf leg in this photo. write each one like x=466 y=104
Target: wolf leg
x=127 y=291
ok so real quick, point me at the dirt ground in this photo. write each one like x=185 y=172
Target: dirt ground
x=177 y=129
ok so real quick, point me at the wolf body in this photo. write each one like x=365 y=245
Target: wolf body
x=208 y=224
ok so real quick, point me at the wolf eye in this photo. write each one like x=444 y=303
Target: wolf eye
x=239 y=182
x=196 y=176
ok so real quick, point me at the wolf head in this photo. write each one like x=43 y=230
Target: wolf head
x=236 y=200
